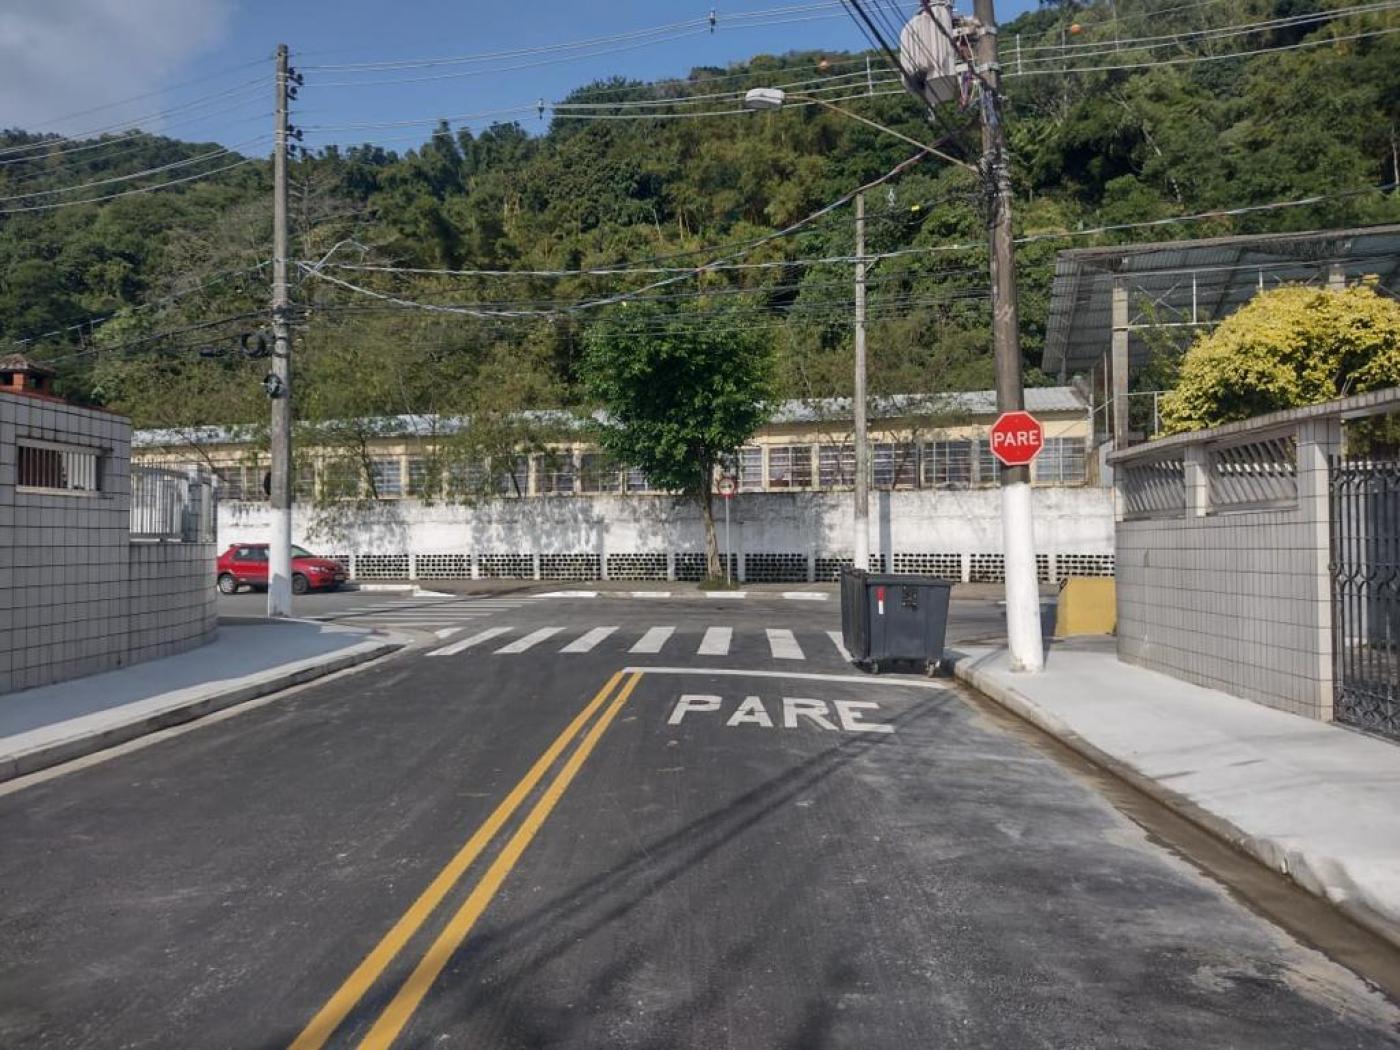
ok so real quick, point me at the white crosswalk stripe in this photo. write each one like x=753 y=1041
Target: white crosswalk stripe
x=716 y=642
x=783 y=644
x=585 y=642
x=467 y=643
x=531 y=640
x=653 y=640
x=424 y=613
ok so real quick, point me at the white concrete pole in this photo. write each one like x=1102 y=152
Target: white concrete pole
x=1018 y=541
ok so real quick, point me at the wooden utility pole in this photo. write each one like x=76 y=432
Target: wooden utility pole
x=858 y=420
x=279 y=383
x=1022 y=588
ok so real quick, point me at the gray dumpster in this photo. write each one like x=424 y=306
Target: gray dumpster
x=888 y=620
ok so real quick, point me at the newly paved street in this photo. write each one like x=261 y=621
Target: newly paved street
x=622 y=822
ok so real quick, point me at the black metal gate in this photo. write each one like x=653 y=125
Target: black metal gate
x=1365 y=510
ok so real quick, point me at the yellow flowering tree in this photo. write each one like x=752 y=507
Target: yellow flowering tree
x=1288 y=347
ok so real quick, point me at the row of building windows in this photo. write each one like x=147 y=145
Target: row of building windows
x=957 y=463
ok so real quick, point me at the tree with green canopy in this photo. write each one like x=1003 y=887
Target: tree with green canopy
x=1286 y=348
x=681 y=391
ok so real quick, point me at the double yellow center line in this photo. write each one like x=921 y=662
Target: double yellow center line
x=396 y=1015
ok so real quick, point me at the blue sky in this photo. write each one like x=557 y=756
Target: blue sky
x=155 y=46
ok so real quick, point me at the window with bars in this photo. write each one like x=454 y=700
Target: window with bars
x=836 y=466
x=58 y=468
x=304 y=481
x=988 y=466
x=751 y=468
x=948 y=464
x=896 y=465
x=257 y=482
x=423 y=475
x=1061 y=461
x=462 y=477
x=555 y=471
x=340 y=479
x=789 y=466
x=514 y=479
x=598 y=473
x=637 y=481
x=387 y=474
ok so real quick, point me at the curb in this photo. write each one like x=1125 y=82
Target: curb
x=45 y=755
x=1320 y=876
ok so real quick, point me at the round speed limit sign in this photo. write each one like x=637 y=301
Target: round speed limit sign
x=727 y=486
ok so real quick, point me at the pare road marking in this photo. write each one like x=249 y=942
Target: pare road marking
x=832 y=715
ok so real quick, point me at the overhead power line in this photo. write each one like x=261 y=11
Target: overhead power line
x=487 y=310
x=64 y=118
x=1098 y=48
x=612 y=271
x=186 y=162
x=46 y=143
x=702 y=23
x=1193 y=59
x=128 y=193
x=201 y=326
x=319 y=273
x=90 y=322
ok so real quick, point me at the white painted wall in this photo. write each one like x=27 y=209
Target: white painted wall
x=1076 y=521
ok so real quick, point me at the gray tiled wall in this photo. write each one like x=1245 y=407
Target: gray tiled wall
x=76 y=596
x=1235 y=601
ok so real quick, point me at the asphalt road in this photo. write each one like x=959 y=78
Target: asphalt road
x=542 y=848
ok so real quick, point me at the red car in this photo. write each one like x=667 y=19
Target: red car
x=246 y=563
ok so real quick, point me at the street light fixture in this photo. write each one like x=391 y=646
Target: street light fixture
x=1022 y=595
x=767 y=98
x=777 y=98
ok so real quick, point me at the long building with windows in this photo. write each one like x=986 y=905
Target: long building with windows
x=916 y=443
x=401 y=502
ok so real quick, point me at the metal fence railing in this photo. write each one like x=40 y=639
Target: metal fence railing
x=167 y=505
x=1365 y=566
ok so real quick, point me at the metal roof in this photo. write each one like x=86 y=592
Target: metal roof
x=953 y=404
x=1194 y=284
x=971 y=403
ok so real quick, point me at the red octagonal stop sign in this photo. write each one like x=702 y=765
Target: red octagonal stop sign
x=1016 y=438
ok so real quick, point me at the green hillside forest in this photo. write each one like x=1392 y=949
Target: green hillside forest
x=142 y=300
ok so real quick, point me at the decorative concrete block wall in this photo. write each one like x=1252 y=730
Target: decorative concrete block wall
x=76 y=596
x=778 y=537
x=1222 y=562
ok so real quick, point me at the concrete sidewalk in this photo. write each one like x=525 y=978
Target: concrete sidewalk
x=1314 y=801
x=247 y=659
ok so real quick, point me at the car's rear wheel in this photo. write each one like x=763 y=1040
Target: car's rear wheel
x=300 y=584
x=228 y=584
